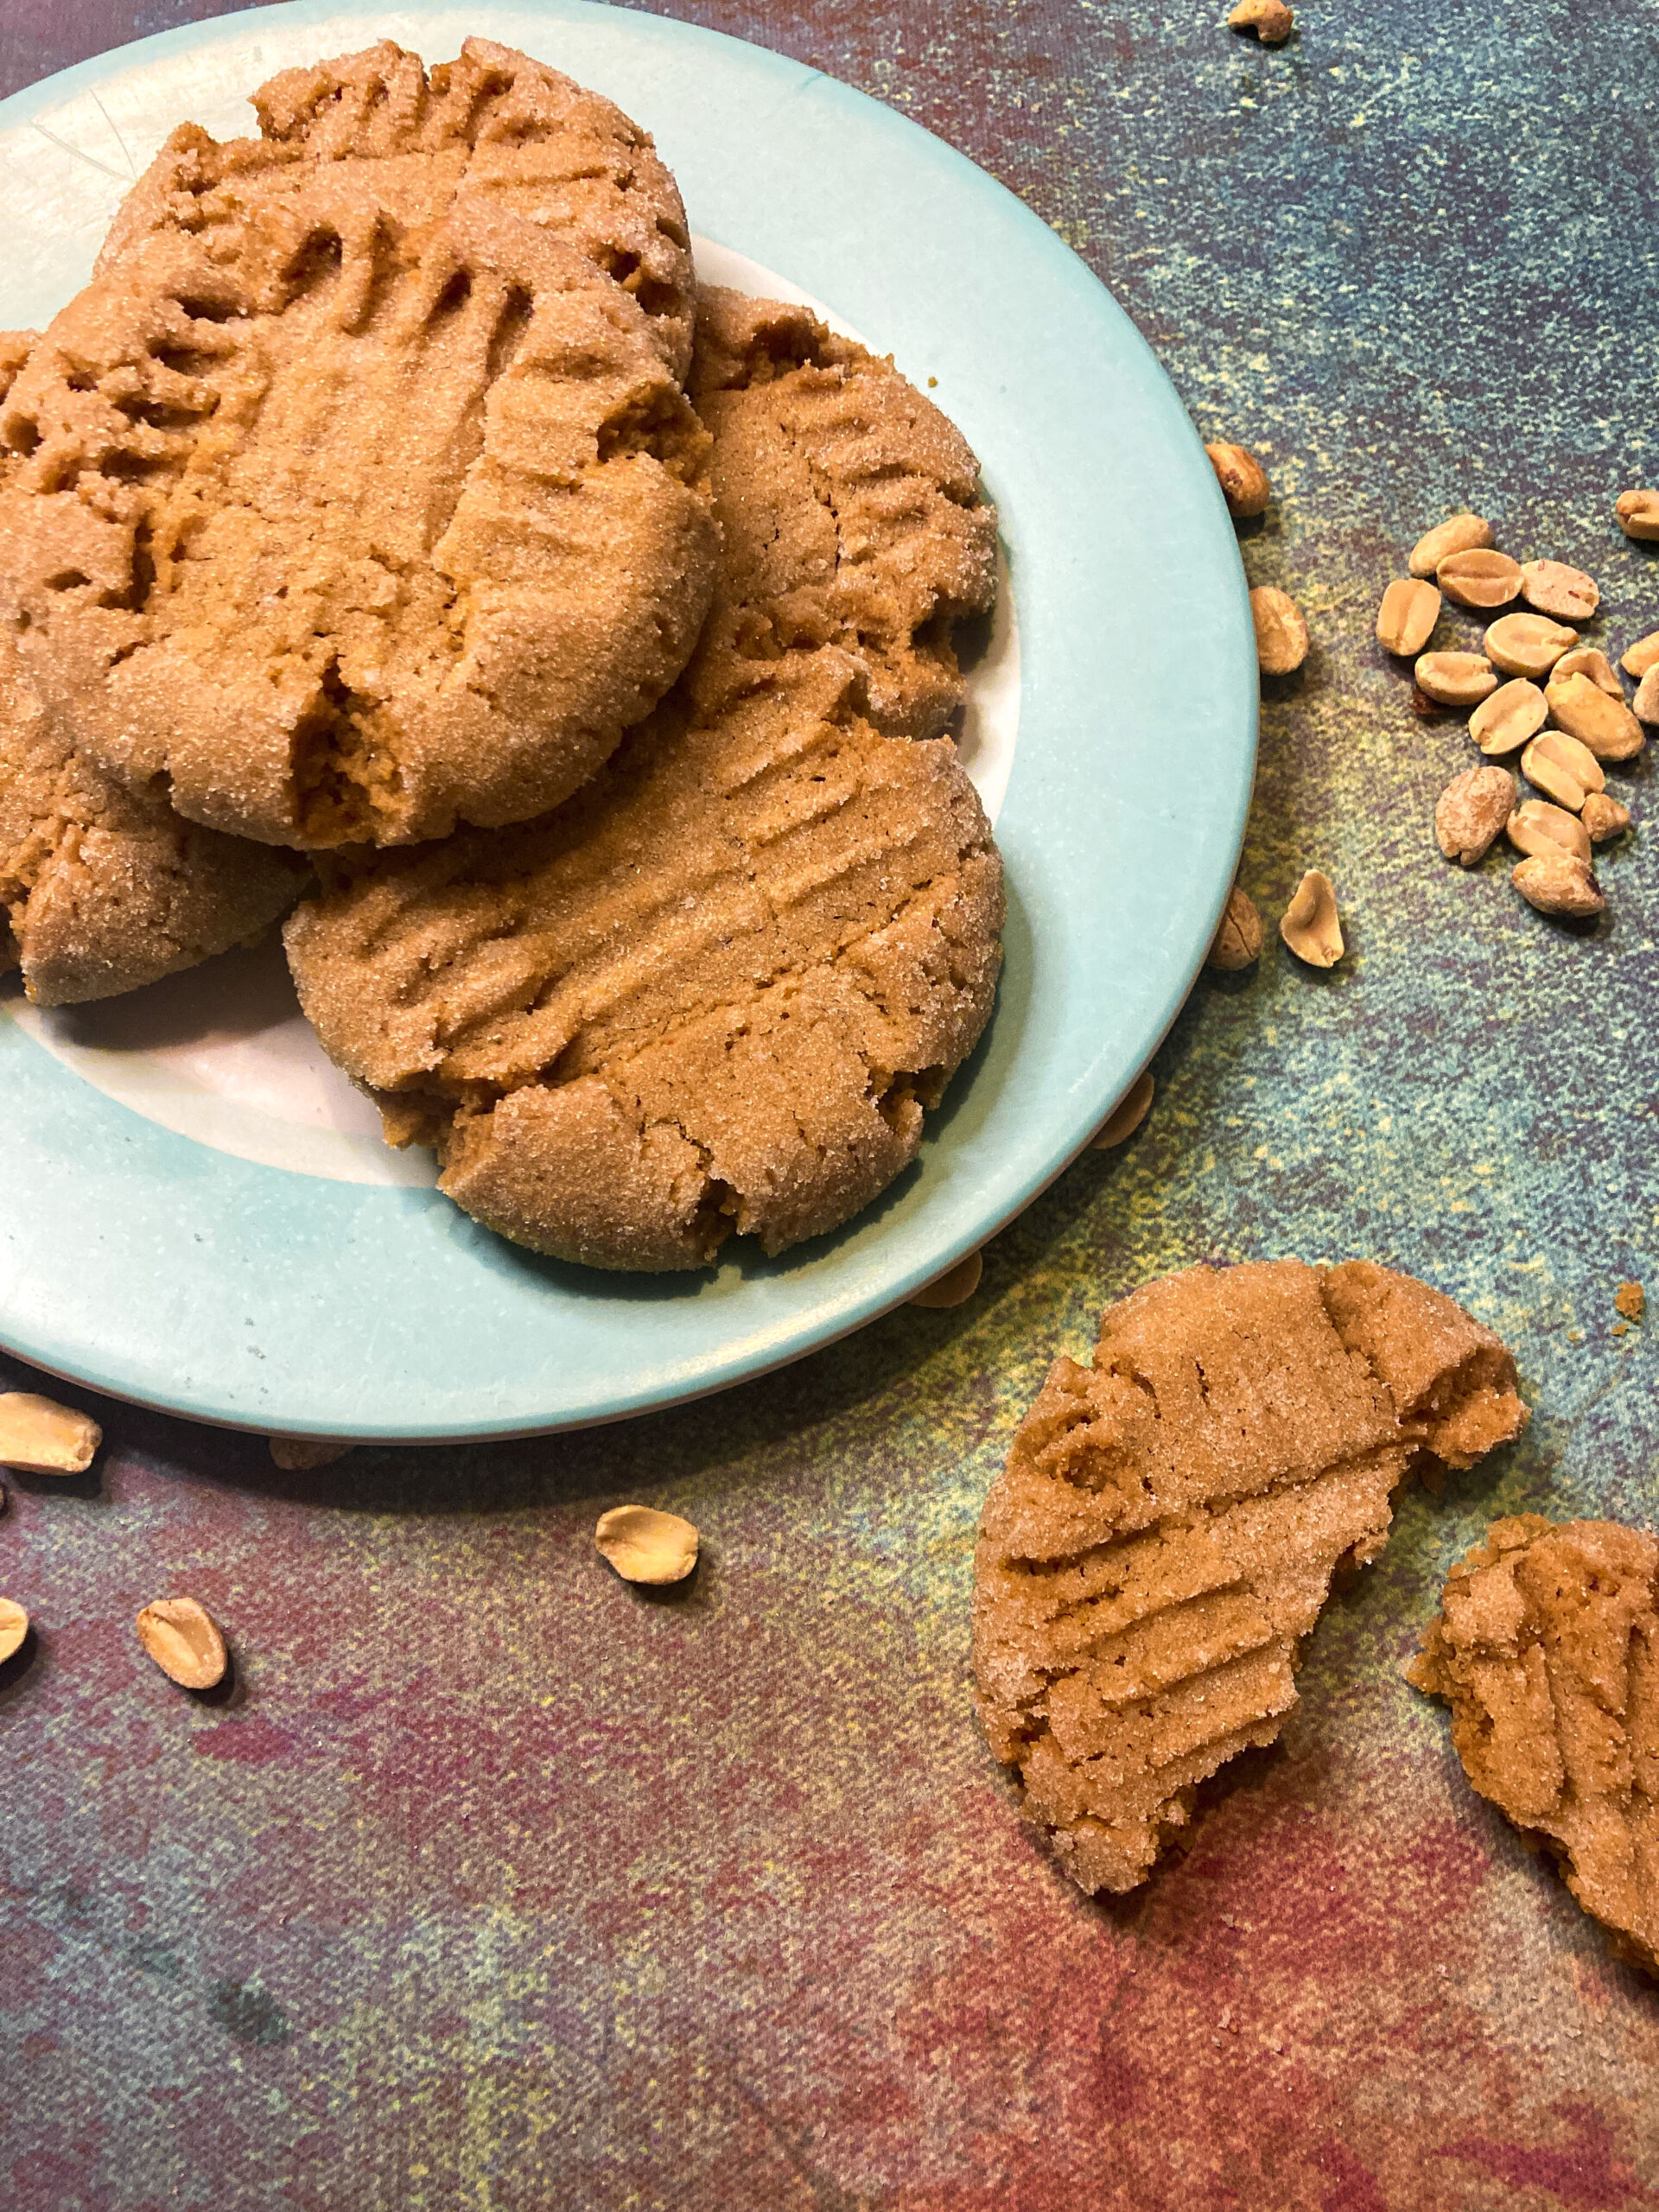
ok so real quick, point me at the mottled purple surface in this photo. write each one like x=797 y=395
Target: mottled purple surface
x=496 y=1885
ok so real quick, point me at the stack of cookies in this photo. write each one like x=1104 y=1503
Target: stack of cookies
x=392 y=533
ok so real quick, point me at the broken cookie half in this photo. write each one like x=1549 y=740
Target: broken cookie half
x=1165 y=1533
x=1546 y=1650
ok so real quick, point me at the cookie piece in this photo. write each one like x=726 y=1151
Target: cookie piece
x=102 y=888
x=1165 y=1533
x=1546 y=1650
x=357 y=494
x=715 y=993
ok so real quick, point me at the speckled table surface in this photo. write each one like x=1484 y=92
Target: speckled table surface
x=495 y=1884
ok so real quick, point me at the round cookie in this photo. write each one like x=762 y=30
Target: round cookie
x=715 y=992
x=357 y=495
x=1163 y=1535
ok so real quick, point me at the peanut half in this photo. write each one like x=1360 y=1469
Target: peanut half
x=1406 y=620
x=1455 y=679
x=1639 y=513
x=1280 y=632
x=1584 y=711
x=1271 y=20
x=183 y=1642
x=1480 y=578
x=954 y=1287
x=1558 y=883
x=645 y=1545
x=1642 y=655
x=1310 y=927
x=1527 y=644
x=1243 y=480
x=1239 y=940
x=1604 y=818
x=1458 y=534
x=1471 y=811
x=44 y=1438
x=1589 y=660
x=1554 y=588
x=14 y=1627
x=1538 y=826
x=1509 y=716
x=296 y=1454
x=1645 y=705
x=1126 y=1117
x=1562 y=768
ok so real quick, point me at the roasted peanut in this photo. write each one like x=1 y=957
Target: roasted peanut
x=1645 y=705
x=1242 y=479
x=183 y=1642
x=1527 y=644
x=645 y=1545
x=1280 y=632
x=14 y=1627
x=1126 y=1117
x=1589 y=660
x=1471 y=811
x=954 y=1287
x=1271 y=20
x=1604 y=818
x=1642 y=655
x=294 y=1454
x=1406 y=620
x=1558 y=883
x=1455 y=679
x=1310 y=926
x=44 y=1438
x=1554 y=588
x=1239 y=940
x=1562 y=768
x=1478 y=578
x=1538 y=825
x=1639 y=513
x=1509 y=716
x=1458 y=534
x=1584 y=710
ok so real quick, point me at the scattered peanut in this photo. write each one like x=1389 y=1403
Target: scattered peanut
x=1455 y=679
x=293 y=1455
x=954 y=1287
x=1271 y=20
x=1506 y=718
x=1280 y=632
x=1480 y=578
x=1471 y=811
x=1527 y=644
x=1126 y=1117
x=1537 y=826
x=1554 y=588
x=1606 y=726
x=44 y=1438
x=1243 y=480
x=1310 y=927
x=1589 y=660
x=1562 y=768
x=14 y=1627
x=1604 y=818
x=1458 y=534
x=645 y=1545
x=1406 y=620
x=1239 y=940
x=1639 y=513
x=184 y=1643
x=1630 y=1300
x=1642 y=655
x=1558 y=883
x=1645 y=705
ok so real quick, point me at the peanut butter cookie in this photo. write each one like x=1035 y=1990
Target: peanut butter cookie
x=715 y=992
x=1165 y=1533
x=1546 y=1650
x=357 y=494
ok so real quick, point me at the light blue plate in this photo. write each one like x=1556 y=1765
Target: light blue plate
x=200 y=1277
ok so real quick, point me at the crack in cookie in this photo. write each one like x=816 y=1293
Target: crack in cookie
x=1165 y=1534
x=357 y=495
x=717 y=991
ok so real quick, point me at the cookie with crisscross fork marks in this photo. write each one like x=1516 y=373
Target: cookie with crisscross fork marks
x=357 y=494
x=1164 y=1534
x=716 y=991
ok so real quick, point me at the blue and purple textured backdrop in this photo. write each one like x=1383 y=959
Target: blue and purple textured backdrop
x=496 y=1885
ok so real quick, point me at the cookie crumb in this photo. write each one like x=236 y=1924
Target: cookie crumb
x=1632 y=1301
